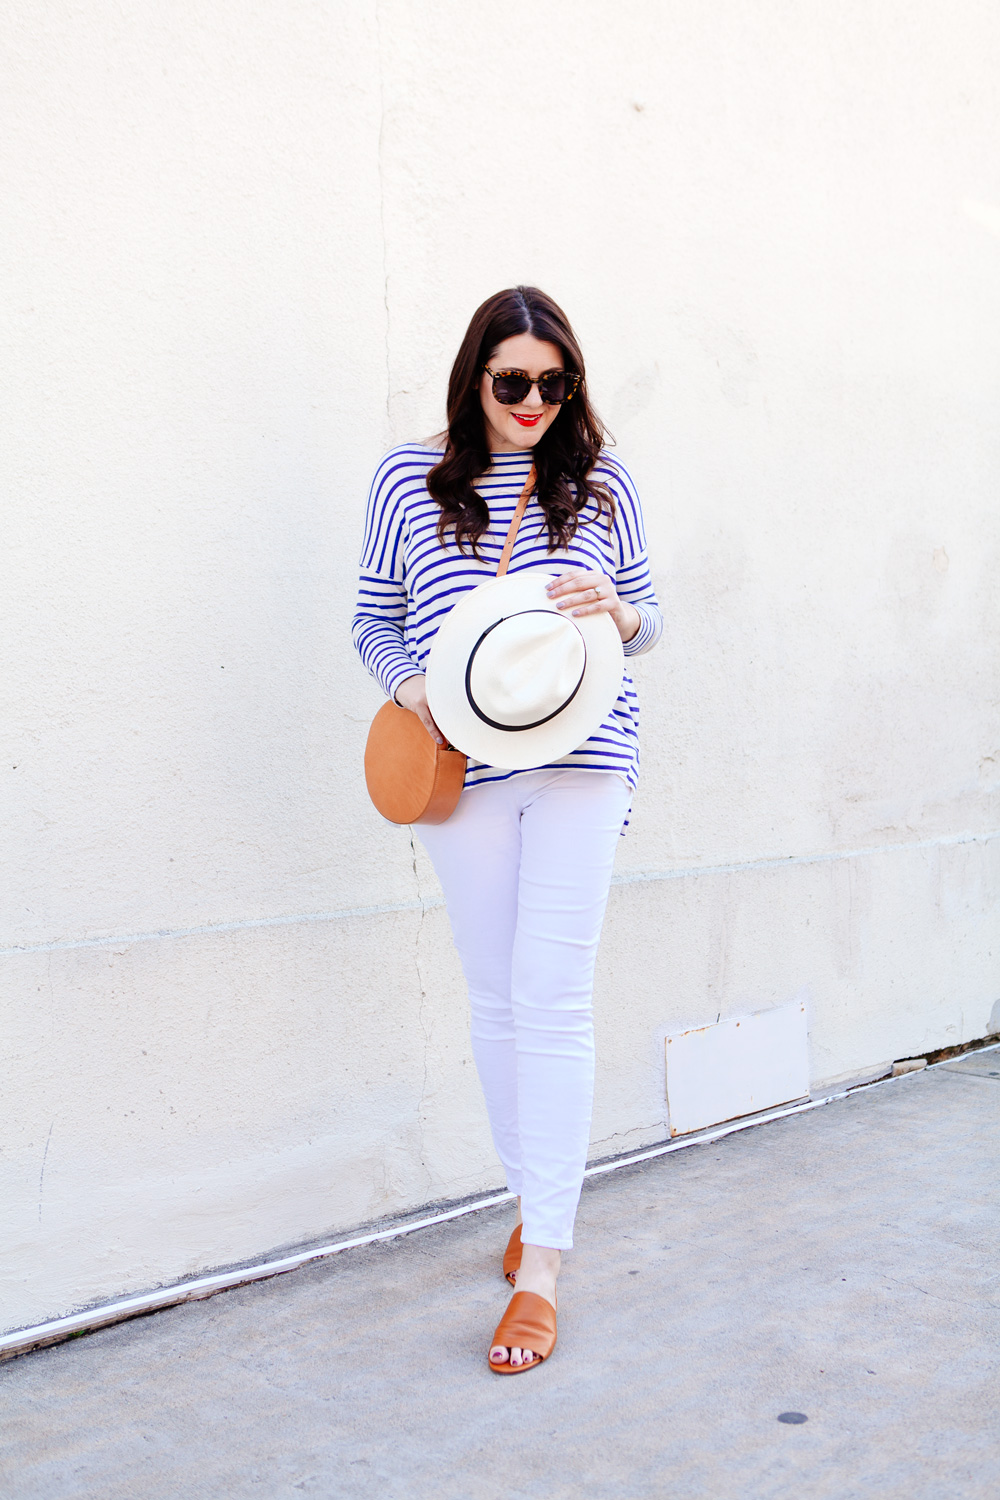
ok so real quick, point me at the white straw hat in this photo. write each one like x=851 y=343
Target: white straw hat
x=515 y=682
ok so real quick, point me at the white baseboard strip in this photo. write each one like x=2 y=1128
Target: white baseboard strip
x=60 y=1329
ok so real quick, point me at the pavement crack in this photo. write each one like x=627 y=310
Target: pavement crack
x=911 y=1286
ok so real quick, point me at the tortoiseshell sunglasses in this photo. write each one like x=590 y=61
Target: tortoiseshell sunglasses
x=513 y=386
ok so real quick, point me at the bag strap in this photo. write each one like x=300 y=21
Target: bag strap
x=516 y=520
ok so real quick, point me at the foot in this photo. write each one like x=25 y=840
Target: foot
x=539 y=1273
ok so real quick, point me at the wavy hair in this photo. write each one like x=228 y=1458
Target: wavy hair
x=564 y=457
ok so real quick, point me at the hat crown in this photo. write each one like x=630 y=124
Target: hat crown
x=525 y=669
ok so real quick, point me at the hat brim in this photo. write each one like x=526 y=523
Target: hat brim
x=519 y=750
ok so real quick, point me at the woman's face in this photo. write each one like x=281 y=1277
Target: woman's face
x=509 y=428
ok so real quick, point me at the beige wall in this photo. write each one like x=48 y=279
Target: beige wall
x=243 y=242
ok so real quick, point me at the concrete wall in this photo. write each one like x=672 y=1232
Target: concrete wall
x=241 y=243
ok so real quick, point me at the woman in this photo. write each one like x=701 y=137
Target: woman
x=525 y=861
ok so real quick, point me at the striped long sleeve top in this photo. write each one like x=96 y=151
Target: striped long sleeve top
x=409 y=581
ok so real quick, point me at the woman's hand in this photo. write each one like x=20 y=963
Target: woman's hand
x=583 y=593
x=412 y=694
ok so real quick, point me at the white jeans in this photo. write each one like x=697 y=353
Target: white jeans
x=525 y=865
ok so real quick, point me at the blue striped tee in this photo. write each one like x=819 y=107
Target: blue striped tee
x=409 y=581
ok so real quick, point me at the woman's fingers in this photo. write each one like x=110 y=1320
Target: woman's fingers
x=412 y=694
x=580 y=592
x=583 y=593
x=423 y=713
x=431 y=727
x=587 y=604
x=576 y=579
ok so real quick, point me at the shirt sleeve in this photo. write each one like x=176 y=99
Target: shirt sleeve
x=379 y=623
x=633 y=581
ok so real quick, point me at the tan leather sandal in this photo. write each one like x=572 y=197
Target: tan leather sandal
x=512 y=1255
x=528 y=1323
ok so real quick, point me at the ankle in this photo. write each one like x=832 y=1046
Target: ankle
x=539 y=1263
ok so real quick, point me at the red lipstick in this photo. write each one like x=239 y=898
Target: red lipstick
x=526 y=421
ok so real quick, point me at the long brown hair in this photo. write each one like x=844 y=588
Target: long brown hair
x=564 y=457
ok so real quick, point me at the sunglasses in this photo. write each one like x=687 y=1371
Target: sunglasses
x=513 y=386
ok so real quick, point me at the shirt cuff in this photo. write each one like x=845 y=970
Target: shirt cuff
x=398 y=674
x=650 y=629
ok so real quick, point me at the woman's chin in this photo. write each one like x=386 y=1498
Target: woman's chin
x=506 y=433
x=517 y=436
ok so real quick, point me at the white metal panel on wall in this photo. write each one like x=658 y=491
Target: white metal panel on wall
x=737 y=1067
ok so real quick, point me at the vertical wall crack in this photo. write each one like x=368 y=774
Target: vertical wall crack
x=41 y=1175
x=381 y=210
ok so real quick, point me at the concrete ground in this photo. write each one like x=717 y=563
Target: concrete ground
x=841 y=1264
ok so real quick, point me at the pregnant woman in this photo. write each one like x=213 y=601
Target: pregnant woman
x=525 y=860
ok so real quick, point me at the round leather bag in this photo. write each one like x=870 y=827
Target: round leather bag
x=410 y=777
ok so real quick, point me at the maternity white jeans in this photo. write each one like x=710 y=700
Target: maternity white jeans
x=525 y=865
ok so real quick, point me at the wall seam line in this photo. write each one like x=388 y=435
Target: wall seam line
x=387 y=908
